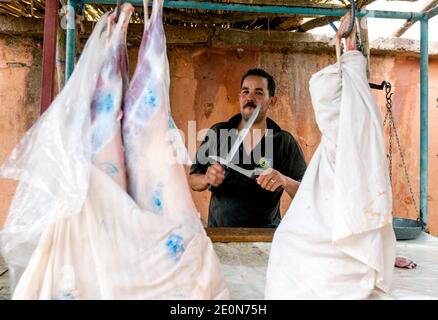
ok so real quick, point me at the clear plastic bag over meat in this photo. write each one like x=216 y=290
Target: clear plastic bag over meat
x=107 y=244
x=52 y=161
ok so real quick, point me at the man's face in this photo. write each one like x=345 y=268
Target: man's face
x=254 y=91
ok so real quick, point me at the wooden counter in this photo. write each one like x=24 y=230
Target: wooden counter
x=240 y=234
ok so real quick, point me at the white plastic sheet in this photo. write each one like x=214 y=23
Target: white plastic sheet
x=336 y=240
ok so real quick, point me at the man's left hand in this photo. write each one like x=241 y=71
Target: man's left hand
x=271 y=180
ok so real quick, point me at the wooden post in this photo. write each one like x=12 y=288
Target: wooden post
x=49 y=53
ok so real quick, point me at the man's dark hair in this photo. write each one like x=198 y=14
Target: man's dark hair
x=261 y=73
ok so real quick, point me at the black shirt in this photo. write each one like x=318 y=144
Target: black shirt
x=239 y=201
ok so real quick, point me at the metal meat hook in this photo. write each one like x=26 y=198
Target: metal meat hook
x=351 y=21
x=119 y=5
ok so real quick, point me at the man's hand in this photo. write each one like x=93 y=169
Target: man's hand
x=215 y=175
x=271 y=180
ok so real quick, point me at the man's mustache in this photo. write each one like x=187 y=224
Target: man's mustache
x=250 y=104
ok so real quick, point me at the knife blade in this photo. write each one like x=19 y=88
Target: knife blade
x=242 y=134
x=249 y=173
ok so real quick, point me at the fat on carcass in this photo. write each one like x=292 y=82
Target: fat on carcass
x=153 y=148
x=156 y=178
x=106 y=107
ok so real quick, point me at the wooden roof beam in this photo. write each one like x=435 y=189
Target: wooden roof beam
x=322 y=21
x=409 y=23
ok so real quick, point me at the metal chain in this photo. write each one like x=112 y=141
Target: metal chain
x=389 y=116
x=393 y=130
